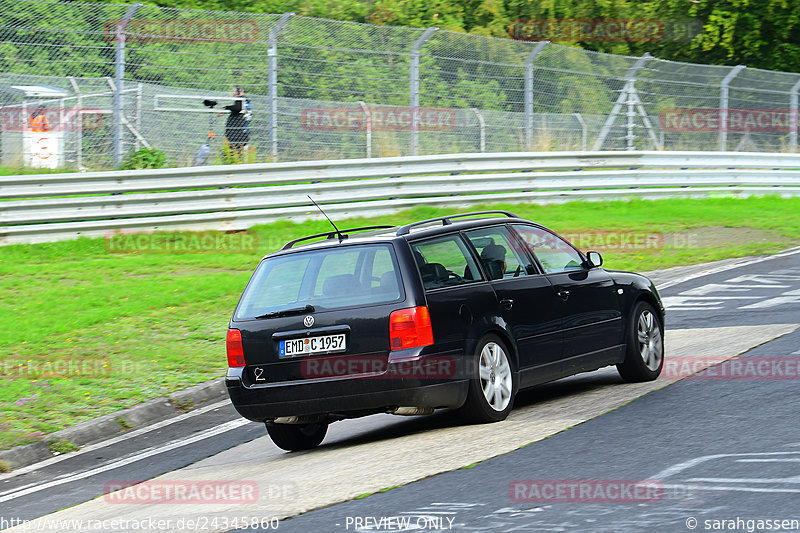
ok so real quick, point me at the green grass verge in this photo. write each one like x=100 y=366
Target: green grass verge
x=16 y=171
x=85 y=332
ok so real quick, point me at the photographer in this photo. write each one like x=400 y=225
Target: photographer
x=237 y=127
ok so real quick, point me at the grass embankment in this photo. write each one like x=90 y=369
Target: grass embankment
x=16 y=171
x=135 y=326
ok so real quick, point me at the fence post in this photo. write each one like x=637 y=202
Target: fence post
x=630 y=80
x=272 y=66
x=723 y=106
x=78 y=121
x=119 y=76
x=367 y=126
x=529 y=93
x=482 y=124
x=630 y=114
x=138 y=119
x=414 y=88
x=793 y=116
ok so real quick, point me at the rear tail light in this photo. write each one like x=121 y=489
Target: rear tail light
x=410 y=328
x=234 y=346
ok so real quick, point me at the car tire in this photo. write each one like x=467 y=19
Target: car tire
x=644 y=348
x=297 y=437
x=492 y=384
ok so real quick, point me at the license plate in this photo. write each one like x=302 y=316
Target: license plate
x=311 y=345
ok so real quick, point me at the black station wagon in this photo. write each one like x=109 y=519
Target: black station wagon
x=453 y=312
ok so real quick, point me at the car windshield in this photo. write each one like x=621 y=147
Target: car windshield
x=330 y=278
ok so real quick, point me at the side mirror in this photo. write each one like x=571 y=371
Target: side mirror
x=594 y=259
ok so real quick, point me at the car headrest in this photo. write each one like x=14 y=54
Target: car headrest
x=494 y=252
x=433 y=273
x=340 y=285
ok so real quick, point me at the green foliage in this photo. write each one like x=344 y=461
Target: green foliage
x=123 y=423
x=144 y=158
x=230 y=156
x=759 y=33
x=182 y=405
x=18 y=171
x=62 y=446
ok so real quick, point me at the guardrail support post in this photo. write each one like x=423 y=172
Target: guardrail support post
x=119 y=77
x=414 y=89
x=793 y=116
x=724 y=92
x=529 y=92
x=482 y=125
x=624 y=94
x=584 y=130
x=272 y=67
x=367 y=126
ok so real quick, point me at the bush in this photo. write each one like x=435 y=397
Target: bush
x=144 y=158
x=230 y=156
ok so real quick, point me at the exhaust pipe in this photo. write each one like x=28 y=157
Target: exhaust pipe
x=307 y=419
x=412 y=411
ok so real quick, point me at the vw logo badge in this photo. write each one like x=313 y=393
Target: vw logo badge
x=308 y=321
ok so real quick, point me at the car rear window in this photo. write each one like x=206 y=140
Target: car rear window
x=330 y=278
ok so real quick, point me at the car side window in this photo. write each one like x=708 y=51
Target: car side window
x=500 y=254
x=445 y=262
x=554 y=253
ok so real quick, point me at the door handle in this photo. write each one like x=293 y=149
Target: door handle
x=564 y=294
x=507 y=303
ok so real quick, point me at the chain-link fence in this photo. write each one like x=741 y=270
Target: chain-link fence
x=110 y=79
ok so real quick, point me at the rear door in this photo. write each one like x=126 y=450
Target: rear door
x=319 y=313
x=526 y=300
x=458 y=297
x=592 y=317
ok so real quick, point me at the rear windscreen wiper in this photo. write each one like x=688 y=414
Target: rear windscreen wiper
x=288 y=312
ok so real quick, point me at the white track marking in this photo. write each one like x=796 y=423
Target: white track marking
x=680 y=467
x=228 y=426
x=690 y=277
x=114 y=440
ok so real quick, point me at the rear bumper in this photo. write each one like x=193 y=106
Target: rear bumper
x=350 y=396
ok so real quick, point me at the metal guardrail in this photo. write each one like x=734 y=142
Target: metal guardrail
x=49 y=207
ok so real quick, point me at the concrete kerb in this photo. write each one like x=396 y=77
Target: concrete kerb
x=107 y=426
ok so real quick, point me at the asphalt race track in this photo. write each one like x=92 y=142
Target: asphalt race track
x=726 y=447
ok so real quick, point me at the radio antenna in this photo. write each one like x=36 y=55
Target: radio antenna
x=339 y=233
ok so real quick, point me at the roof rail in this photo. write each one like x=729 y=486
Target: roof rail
x=447 y=220
x=333 y=234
